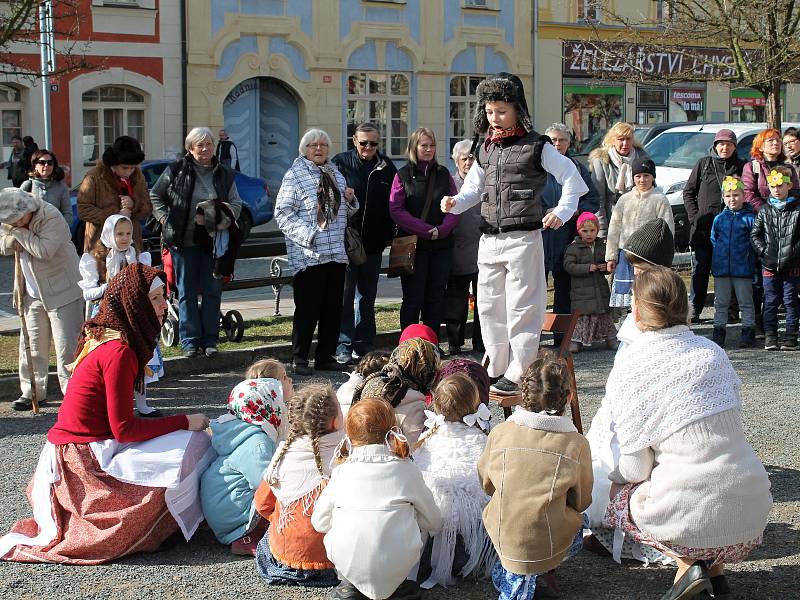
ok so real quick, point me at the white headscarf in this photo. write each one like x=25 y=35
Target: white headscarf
x=116 y=258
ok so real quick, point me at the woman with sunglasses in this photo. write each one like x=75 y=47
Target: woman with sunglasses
x=47 y=182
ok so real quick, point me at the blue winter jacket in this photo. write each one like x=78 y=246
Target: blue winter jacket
x=229 y=484
x=730 y=236
x=555 y=241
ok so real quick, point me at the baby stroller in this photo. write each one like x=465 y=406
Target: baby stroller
x=231 y=322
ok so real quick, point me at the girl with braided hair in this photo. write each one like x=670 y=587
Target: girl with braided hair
x=538 y=470
x=109 y=484
x=374 y=507
x=291 y=552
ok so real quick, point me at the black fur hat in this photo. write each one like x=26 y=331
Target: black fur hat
x=504 y=87
x=124 y=151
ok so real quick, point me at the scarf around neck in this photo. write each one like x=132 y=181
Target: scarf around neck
x=623 y=163
x=329 y=198
x=498 y=136
x=782 y=204
x=667 y=380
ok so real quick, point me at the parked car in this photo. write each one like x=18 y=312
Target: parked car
x=676 y=151
x=257 y=203
x=644 y=133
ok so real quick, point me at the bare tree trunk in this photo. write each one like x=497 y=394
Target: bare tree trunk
x=774 y=105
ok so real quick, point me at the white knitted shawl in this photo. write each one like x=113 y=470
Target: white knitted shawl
x=448 y=460
x=670 y=378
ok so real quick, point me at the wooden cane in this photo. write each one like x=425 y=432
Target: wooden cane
x=26 y=340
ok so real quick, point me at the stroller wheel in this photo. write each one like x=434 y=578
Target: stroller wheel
x=233 y=324
x=169 y=332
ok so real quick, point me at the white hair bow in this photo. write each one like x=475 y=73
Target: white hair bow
x=481 y=416
x=433 y=420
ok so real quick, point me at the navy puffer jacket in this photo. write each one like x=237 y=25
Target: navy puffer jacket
x=733 y=255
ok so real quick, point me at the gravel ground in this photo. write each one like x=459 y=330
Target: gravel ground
x=205 y=569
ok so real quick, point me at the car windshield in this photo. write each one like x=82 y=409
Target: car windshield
x=640 y=133
x=681 y=149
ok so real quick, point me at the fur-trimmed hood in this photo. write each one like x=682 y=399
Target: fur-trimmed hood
x=502 y=87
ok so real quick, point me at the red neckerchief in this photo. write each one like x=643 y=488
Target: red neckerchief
x=496 y=136
x=125 y=186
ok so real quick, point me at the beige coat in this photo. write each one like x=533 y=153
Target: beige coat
x=634 y=209
x=53 y=259
x=98 y=199
x=538 y=470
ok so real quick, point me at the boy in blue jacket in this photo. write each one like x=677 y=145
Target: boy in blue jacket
x=733 y=262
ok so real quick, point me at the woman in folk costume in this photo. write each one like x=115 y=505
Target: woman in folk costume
x=508 y=177
x=108 y=484
x=116 y=251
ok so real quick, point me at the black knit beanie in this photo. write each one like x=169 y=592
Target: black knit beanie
x=652 y=242
x=643 y=165
x=124 y=151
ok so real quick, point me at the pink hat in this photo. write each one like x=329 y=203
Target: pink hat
x=419 y=330
x=588 y=216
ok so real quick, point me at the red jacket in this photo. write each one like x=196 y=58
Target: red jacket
x=98 y=404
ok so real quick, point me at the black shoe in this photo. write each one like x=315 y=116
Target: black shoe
x=408 y=590
x=23 y=403
x=789 y=341
x=211 y=351
x=771 y=340
x=302 y=369
x=346 y=591
x=505 y=387
x=190 y=352
x=697 y=319
x=345 y=358
x=719 y=336
x=692 y=583
x=453 y=350
x=153 y=414
x=720 y=586
x=327 y=365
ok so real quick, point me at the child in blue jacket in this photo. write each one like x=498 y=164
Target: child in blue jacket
x=245 y=439
x=733 y=262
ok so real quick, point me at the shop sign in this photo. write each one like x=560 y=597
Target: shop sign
x=739 y=102
x=585 y=59
x=688 y=99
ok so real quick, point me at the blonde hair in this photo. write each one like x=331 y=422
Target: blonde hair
x=455 y=397
x=368 y=422
x=267 y=367
x=413 y=140
x=619 y=129
x=311 y=411
x=661 y=298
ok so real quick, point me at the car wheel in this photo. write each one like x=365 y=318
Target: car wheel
x=245 y=224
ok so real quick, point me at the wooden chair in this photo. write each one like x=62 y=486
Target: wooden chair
x=565 y=325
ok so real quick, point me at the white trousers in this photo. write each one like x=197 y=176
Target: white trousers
x=512 y=298
x=62 y=325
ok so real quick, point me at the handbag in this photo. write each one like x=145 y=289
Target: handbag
x=354 y=246
x=403 y=251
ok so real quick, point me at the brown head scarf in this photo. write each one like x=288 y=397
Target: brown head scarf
x=126 y=308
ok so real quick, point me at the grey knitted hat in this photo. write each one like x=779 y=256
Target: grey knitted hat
x=504 y=87
x=14 y=203
x=652 y=242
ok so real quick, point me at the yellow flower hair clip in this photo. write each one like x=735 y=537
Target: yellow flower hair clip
x=775 y=178
x=730 y=184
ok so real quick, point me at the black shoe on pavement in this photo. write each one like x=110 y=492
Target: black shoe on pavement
x=789 y=341
x=408 y=590
x=190 y=352
x=692 y=583
x=302 y=369
x=345 y=358
x=504 y=387
x=748 y=339
x=23 y=403
x=771 y=340
x=327 y=365
x=720 y=585
x=211 y=351
x=718 y=336
x=346 y=591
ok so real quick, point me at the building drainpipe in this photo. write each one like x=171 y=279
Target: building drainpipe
x=535 y=60
x=184 y=55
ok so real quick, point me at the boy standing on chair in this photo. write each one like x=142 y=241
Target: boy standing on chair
x=508 y=177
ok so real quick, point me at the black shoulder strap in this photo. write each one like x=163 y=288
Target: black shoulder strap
x=538 y=148
x=476 y=140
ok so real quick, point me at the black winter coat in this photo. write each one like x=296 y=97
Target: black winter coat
x=702 y=195
x=589 y=292
x=776 y=237
x=372 y=183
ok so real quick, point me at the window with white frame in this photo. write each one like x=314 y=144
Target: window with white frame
x=462 y=107
x=588 y=10
x=10 y=118
x=380 y=98
x=109 y=112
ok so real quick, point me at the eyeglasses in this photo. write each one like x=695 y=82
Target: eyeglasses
x=365 y=143
x=49 y=163
x=317 y=145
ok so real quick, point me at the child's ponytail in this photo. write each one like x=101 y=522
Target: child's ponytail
x=372 y=421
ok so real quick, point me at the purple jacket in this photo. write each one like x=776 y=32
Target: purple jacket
x=406 y=221
x=756 y=190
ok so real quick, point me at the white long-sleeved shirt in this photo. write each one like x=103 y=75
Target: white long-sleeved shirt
x=558 y=165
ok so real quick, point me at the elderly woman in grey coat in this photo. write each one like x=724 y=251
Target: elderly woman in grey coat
x=312 y=209
x=610 y=165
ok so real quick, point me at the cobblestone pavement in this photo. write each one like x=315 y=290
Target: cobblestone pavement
x=205 y=569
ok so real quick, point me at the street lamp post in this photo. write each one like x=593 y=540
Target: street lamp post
x=47 y=53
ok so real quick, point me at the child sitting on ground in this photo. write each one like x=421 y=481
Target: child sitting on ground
x=291 y=552
x=584 y=260
x=733 y=262
x=244 y=440
x=535 y=513
x=633 y=209
x=474 y=370
x=115 y=252
x=374 y=507
x=776 y=239
x=448 y=454
x=370 y=363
